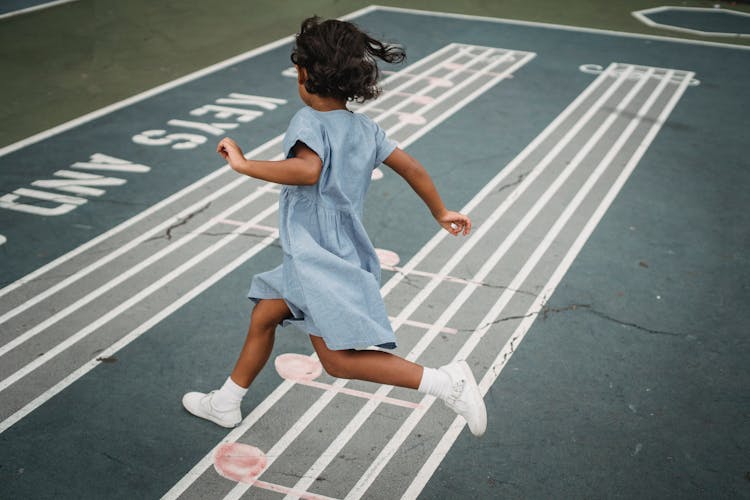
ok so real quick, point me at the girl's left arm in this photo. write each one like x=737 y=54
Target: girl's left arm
x=302 y=169
x=420 y=181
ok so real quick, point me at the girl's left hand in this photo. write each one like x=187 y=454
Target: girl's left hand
x=455 y=223
x=231 y=152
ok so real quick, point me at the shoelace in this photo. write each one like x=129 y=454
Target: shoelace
x=458 y=388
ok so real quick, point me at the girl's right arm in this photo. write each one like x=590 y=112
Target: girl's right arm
x=302 y=169
x=420 y=181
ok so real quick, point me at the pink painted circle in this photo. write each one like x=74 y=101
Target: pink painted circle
x=412 y=118
x=298 y=367
x=456 y=66
x=387 y=258
x=422 y=99
x=239 y=462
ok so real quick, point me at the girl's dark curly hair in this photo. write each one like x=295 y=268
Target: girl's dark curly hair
x=340 y=59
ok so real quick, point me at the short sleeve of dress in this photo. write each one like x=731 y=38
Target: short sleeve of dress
x=305 y=128
x=384 y=146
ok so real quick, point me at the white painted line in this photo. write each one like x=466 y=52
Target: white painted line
x=505 y=172
x=261 y=227
x=137 y=332
x=161 y=88
x=247 y=423
x=163 y=252
x=293 y=433
x=370 y=406
x=134 y=299
x=486 y=268
x=127 y=247
x=456 y=89
x=642 y=16
x=129 y=273
x=428 y=469
x=205 y=463
x=562 y=27
x=303 y=484
x=520 y=188
x=121 y=227
x=139 y=97
x=117 y=229
x=50 y=393
x=42 y=6
x=484 y=325
x=457 y=258
x=664 y=8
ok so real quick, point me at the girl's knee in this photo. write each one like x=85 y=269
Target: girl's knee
x=267 y=315
x=336 y=365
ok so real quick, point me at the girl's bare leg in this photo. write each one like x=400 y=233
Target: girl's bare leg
x=266 y=316
x=373 y=366
x=384 y=368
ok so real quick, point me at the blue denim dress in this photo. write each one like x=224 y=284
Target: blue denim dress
x=330 y=275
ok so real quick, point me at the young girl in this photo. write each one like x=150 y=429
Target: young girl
x=329 y=281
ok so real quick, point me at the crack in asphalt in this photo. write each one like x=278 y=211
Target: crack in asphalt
x=518 y=181
x=180 y=222
x=546 y=311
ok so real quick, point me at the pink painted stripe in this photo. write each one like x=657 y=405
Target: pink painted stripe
x=265 y=228
x=359 y=394
x=409 y=118
x=452 y=279
x=289 y=491
x=434 y=80
x=426 y=326
x=461 y=67
x=231 y=222
x=417 y=98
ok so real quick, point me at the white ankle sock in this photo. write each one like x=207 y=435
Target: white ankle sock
x=435 y=382
x=229 y=396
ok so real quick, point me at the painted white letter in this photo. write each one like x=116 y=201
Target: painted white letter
x=104 y=162
x=153 y=138
x=268 y=103
x=66 y=203
x=79 y=182
x=224 y=112
x=210 y=128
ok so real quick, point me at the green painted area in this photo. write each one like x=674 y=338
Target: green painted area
x=72 y=59
x=716 y=21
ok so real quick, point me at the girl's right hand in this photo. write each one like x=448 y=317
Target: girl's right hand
x=454 y=222
x=231 y=152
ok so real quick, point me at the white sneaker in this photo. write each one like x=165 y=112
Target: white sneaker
x=465 y=398
x=199 y=404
